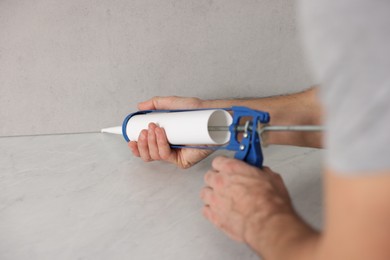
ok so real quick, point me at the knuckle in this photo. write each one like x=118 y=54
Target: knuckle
x=156 y=101
x=207 y=177
x=218 y=162
x=229 y=165
x=278 y=177
x=195 y=102
x=145 y=157
x=141 y=139
x=232 y=165
x=266 y=188
x=213 y=199
x=155 y=157
x=150 y=130
x=160 y=141
x=164 y=155
x=266 y=169
x=143 y=136
x=219 y=181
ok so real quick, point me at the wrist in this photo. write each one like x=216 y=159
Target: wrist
x=283 y=236
x=296 y=109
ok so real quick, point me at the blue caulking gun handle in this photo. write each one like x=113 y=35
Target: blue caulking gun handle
x=248 y=150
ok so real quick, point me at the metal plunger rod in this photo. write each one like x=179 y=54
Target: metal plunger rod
x=293 y=128
x=306 y=128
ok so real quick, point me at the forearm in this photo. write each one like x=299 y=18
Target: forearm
x=286 y=237
x=294 y=109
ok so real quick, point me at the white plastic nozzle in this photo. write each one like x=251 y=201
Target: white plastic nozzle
x=113 y=130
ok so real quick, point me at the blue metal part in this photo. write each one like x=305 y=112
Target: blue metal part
x=248 y=150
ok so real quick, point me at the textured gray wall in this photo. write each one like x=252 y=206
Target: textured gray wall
x=77 y=66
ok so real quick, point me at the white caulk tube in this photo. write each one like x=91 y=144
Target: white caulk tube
x=188 y=127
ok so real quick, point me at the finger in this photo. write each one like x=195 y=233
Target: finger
x=156 y=103
x=134 y=148
x=147 y=104
x=207 y=176
x=214 y=179
x=216 y=219
x=164 y=149
x=208 y=196
x=143 y=146
x=229 y=165
x=152 y=143
x=210 y=215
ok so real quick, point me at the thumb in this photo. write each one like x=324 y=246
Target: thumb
x=155 y=103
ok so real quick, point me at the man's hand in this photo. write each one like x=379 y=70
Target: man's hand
x=153 y=144
x=241 y=199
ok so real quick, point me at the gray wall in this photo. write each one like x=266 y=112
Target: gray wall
x=77 y=66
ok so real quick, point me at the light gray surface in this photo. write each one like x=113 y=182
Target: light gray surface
x=85 y=197
x=76 y=66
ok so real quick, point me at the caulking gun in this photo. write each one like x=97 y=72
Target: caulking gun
x=244 y=139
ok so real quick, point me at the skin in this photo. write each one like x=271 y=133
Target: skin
x=152 y=143
x=253 y=206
